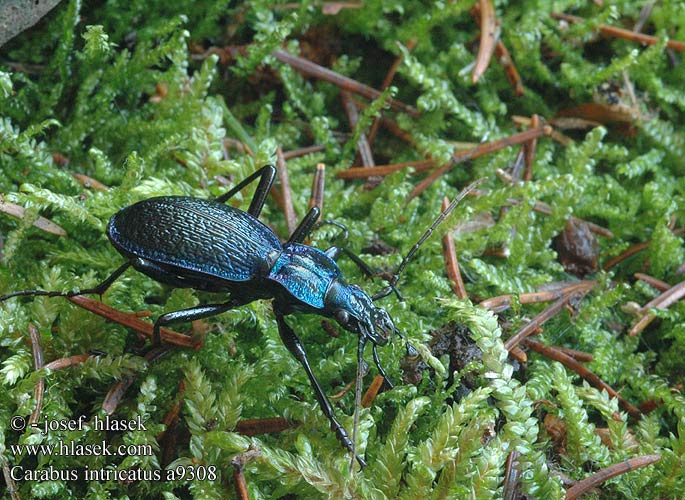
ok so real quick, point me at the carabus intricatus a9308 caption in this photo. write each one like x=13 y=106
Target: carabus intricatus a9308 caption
x=208 y=245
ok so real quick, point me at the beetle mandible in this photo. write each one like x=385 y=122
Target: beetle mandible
x=210 y=246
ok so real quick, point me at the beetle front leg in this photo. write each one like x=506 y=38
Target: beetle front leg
x=294 y=345
x=335 y=253
x=190 y=314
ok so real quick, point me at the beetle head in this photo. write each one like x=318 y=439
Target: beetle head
x=355 y=311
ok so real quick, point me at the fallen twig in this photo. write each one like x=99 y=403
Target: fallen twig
x=583 y=371
x=582 y=487
x=613 y=31
x=312 y=69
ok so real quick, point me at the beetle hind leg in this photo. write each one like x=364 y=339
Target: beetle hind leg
x=266 y=175
x=99 y=289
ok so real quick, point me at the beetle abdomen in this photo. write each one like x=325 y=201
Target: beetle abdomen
x=195 y=234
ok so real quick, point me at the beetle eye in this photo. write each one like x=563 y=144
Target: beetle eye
x=342 y=316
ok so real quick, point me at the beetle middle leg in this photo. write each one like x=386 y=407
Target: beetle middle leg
x=305 y=226
x=190 y=314
x=294 y=345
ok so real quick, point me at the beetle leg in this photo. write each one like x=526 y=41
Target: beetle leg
x=293 y=344
x=344 y=233
x=309 y=222
x=190 y=314
x=335 y=252
x=266 y=176
x=100 y=289
x=305 y=227
x=388 y=290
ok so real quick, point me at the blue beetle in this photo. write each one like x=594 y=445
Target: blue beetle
x=231 y=251
x=207 y=245
x=210 y=246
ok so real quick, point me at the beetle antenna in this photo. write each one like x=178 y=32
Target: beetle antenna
x=358 y=394
x=392 y=285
